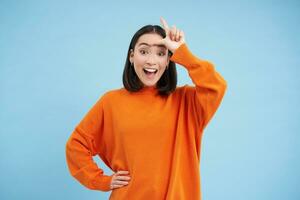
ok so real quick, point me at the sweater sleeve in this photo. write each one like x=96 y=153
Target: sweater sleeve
x=85 y=142
x=209 y=88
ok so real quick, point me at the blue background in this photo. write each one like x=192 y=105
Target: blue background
x=58 y=57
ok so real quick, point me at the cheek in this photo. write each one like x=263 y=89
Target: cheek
x=164 y=63
x=139 y=60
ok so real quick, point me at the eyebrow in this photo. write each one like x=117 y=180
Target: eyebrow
x=158 y=45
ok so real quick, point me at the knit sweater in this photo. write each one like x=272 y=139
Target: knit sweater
x=156 y=138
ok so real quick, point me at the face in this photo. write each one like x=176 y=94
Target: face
x=149 y=59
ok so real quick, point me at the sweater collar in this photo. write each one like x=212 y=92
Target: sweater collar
x=149 y=90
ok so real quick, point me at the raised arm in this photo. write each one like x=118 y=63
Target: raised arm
x=209 y=87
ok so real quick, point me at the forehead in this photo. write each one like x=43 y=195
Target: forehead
x=150 y=39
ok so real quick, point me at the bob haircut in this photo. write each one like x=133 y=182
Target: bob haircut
x=168 y=81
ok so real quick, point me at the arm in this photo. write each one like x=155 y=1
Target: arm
x=84 y=143
x=209 y=87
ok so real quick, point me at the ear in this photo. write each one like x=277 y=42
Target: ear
x=131 y=55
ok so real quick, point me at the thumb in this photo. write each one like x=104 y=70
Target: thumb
x=162 y=42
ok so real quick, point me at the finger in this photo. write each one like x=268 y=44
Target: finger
x=117 y=186
x=124 y=178
x=123 y=172
x=120 y=183
x=181 y=33
x=177 y=37
x=165 y=24
x=182 y=36
x=173 y=32
x=162 y=41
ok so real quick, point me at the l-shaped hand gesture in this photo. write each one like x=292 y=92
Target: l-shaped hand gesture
x=174 y=37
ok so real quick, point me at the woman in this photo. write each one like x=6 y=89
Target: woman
x=149 y=132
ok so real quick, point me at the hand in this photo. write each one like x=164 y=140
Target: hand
x=119 y=179
x=174 y=37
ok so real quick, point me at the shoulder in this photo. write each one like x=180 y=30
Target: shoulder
x=112 y=95
x=184 y=93
x=185 y=89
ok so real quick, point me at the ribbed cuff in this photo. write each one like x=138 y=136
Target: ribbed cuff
x=184 y=57
x=102 y=183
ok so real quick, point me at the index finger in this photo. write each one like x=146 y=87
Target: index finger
x=164 y=23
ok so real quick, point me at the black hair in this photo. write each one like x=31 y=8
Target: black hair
x=168 y=81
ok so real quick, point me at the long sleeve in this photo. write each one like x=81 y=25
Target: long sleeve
x=209 y=88
x=85 y=142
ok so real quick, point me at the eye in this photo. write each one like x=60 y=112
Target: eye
x=143 y=52
x=161 y=53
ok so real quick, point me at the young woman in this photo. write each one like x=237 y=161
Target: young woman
x=149 y=132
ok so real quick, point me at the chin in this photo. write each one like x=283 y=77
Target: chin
x=149 y=84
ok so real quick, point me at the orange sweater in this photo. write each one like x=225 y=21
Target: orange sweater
x=157 y=139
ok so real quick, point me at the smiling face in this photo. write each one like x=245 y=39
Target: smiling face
x=149 y=59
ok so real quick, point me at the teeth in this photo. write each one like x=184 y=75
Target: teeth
x=150 y=70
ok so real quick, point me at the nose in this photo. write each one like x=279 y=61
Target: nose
x=151 y=59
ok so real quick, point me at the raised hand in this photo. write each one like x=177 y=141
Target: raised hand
x=174 y=37
x=119 y=179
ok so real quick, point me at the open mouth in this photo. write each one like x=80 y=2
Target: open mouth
x=150 y=71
